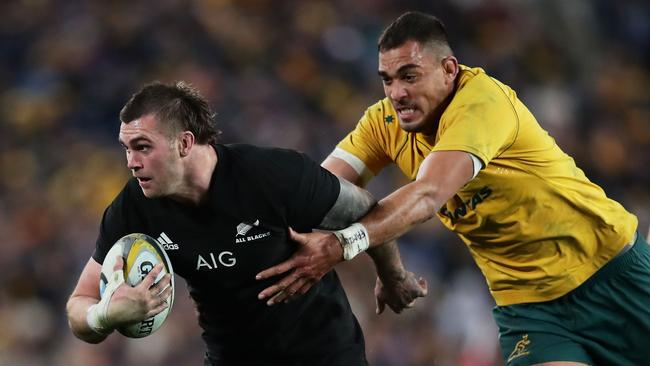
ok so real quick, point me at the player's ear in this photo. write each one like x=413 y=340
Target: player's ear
x=450 y=68
x=185 y=142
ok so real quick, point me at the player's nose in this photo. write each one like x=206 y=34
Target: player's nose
x=397 y=92
x=132 y=162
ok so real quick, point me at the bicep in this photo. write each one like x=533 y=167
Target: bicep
x=352 y=204
x=88 y=284
x=341 y=168
x=447 y=172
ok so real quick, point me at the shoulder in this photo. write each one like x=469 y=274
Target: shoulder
x=260 y=155
x=245 y=151
x=382 y=112
x=130 y=199
x=271 y=165
x=380 y=108
x=476 y=84
x=470 y=78
x=379 y=121
x=479 y=93
x=130 y=193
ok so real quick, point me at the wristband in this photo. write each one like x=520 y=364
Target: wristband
x=97 y=314
x=354 y=240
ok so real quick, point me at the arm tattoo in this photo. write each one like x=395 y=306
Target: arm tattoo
x=351 y=205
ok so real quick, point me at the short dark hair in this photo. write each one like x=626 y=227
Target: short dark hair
x=180 y=106
x=413 y=26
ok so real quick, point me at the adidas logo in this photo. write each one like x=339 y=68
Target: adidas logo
x=243 y=228
x=166 y=243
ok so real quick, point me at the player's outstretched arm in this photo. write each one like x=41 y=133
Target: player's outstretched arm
x=440 y=176
x=92 y=318
x=311 y=263
x=396 y=287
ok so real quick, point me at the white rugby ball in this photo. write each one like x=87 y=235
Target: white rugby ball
x=141 y=253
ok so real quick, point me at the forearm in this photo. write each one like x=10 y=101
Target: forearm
x=77 y=309
x=389 y=219
x=354 y=202
x=387 y=261
x=400 y=212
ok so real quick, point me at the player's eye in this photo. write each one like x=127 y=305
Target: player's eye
x=410 y=78
x=143 y=148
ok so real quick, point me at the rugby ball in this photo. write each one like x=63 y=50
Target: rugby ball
x=141 y=253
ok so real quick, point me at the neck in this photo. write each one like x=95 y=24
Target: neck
x=199 y=167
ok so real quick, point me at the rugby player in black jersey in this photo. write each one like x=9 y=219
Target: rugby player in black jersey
x=222 y=214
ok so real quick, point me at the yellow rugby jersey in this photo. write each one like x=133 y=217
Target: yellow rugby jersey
x=533 y=222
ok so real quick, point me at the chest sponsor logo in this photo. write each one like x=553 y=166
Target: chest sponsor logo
x=205 y=261
x=465 y=207
x=215 y=260
x=244 y=228
x=166 y=243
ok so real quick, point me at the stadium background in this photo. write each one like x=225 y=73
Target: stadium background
x=294 y=74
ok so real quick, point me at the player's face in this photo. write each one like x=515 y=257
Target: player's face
x=418 y=83
x=152 y=156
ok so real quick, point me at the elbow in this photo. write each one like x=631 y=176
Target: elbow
x=427 y=203
x=429 y=208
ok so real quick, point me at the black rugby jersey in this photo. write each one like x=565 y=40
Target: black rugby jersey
x=255 y=194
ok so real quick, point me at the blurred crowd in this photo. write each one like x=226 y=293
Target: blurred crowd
x=295 y=74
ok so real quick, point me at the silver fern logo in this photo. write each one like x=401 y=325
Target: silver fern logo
x=243 y=228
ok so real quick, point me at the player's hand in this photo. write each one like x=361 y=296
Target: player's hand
x=399 y=293
x=317 y=254
x=133 y=304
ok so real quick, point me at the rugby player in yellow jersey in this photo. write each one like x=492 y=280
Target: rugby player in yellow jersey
x=570 y=276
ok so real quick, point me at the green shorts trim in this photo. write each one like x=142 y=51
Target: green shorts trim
x=605 y=321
